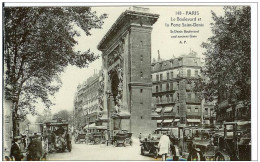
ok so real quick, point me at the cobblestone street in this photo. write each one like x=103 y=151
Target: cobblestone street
x=101 y=152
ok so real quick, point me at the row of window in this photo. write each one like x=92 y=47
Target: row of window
x=208 y=111
x=170 y=75
x=92 y=108
x=196 y=110
x=90 y=100
x=161 y=76
x=189 y=99
x=169 y=99
x=169 y=87
x=90 y=89
x=167 y=124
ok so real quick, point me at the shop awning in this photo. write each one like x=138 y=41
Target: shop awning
x=158 y=110
x=193 y=120
x=176 y=120
x=240 y=105
x=91 y=126
x=159 y=121
x=101 y=127
x=229 y=109
x=94 y=126
x=167 y=121
x=166 y=129
x=168 y=109
x=243 y=122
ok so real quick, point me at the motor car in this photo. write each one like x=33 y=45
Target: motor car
x=57 y=136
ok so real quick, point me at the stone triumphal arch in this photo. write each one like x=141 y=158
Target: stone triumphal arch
x=126 y=56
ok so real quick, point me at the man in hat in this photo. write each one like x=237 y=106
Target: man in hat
x=15 y=149
x=107 y=136
x=35 y=149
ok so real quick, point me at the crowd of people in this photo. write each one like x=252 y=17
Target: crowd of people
x=35 y=147
x=27 y=148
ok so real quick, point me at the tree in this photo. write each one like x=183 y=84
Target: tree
x=228 y=54
x=24 y=125
x=38 y=45
x=63 y=114
x=44 y=117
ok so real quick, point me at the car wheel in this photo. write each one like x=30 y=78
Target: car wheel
x=97 y=140
x=115 y=143
x=142 y=150
x=69 y=147
x=195 y=156
x=155 y=153
x=220 y=157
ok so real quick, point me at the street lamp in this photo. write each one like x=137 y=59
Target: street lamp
x=108 y=94
x=88 y=122
x=28 y=127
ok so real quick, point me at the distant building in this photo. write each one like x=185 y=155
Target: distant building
x=174 y=101
x=87 y=107
x=209 y=114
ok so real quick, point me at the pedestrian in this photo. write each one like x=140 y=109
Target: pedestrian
x=149 y=137
x=164 y=146
x=16 y=150
x=35 y=149
x=106 y=137
x=140 y=137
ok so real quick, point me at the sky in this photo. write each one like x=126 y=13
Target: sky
x=161 y=40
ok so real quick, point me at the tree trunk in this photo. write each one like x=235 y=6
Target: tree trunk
x=14 y=118
x=15 y=125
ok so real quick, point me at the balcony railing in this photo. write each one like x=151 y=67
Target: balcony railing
x=194 y=113
x=166 y=90
x=193 y=100
x=166 y=102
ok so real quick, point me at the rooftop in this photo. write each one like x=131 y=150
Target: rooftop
x=132 y=11
x=184 y=60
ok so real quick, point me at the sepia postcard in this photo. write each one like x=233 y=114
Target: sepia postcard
x=170 y=82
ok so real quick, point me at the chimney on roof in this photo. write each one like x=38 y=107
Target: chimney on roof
x=159 y=58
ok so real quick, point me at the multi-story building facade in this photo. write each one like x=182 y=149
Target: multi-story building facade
x=209 y=114
x=87 y=107
x=230 y=109
x=174 y=101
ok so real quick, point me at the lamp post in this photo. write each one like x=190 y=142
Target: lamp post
x=88 y=122
x=108 y=94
